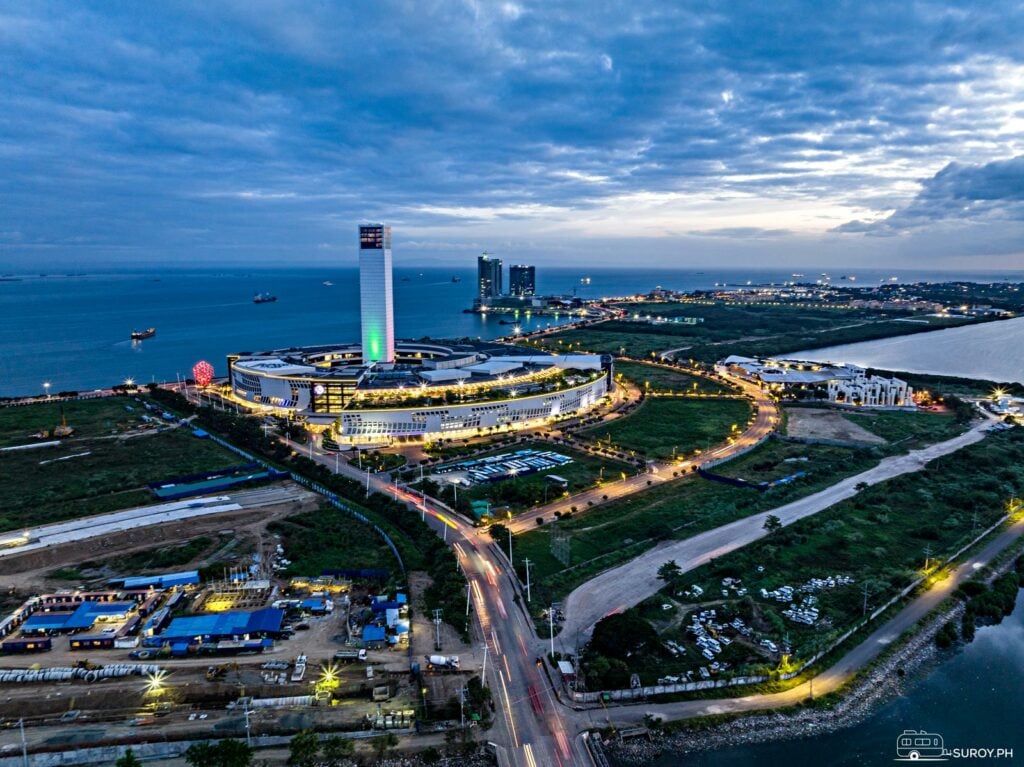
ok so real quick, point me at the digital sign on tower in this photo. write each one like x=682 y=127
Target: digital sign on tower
x=374 y=237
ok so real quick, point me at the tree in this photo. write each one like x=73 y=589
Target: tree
x=498 y=532
x=225 y=753
x=303 y=749
x=773 y=524
x=128 y=760
x=624 y=634
x=670 y=572
x=336 y=749
x=383 y=743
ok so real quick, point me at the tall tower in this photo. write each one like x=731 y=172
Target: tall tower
x=376 y=305
x=522 y=280
x=488 y=271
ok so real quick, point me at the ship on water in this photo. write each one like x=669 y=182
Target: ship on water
x=456 y=279
x=139 y=335
x=264 y=298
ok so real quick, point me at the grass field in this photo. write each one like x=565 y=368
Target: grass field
x=616 y=532
x=330 y=539
x=662 y=427
x=880 y=538
x=659 y=379
x=524 y=492
x=106 y=474
x=908 y=430
x=739 y=329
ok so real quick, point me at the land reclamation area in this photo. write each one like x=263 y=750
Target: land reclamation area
x=102 y=466
x=573 y=548
x=796 y=590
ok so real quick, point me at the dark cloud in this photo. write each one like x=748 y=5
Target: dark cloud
x=258 y=127
x=992 y=193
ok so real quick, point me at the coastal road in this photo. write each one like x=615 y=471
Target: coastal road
x=621 y=587
x=837 y=675
x=766 y=417
x=145 y=516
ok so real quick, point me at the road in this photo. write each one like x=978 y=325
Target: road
x=621 y=587
x=144 y=516
x=835 y=676
x=766 y=417
x=530 y=724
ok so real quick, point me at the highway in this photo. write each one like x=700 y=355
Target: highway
x=144 y=516
x=530 y=725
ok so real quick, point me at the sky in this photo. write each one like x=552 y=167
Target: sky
x=647 y=133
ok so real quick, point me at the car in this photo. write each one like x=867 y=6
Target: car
x=302 y=627
x=192 y=717
x=204 y=716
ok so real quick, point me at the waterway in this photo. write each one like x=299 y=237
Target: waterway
x=992 y=350
x=973 y=700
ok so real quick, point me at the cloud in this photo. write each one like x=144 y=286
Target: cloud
x=261 y=127
x=991 y=193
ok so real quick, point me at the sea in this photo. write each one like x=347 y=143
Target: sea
x=72 y=330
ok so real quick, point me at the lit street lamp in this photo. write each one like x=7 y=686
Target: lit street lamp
x=46 y=388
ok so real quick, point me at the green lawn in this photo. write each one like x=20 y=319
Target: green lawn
x=906 y=429
x=879 y=538
x=105 y=475
x=612 y=533
x=660 y=379
x=330 y=539
x=523 y=492
x=661 y=427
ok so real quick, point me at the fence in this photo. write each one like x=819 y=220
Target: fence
x=331 y=497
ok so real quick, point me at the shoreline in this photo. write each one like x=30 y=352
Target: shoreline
x=908 y=666
x=893 y=676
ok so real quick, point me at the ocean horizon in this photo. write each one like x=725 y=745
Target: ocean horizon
x=71 y=328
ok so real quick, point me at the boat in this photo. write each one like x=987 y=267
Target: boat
x=456 y=279
x=328 y=283
x=584 y=280
x=407 y=279
x=139 y=335
x=263 y=298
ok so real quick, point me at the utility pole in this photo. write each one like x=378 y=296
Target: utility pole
x=367 y=481
x=927 y=556
x=527 y=563
x=462 y=708
x=437 y=628
x=467 y=601
x=551 y=628
x=864 y=588
x=483 y=673
x=24 y=743
x=336 y=459
x=510 y=564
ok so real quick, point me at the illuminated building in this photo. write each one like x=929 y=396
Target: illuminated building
x=522 y=280
x=375 y=293
x=488 y=271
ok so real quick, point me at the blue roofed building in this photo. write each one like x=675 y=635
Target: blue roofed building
x=220 y=626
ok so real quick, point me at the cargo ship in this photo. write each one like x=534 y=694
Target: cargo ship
x=263 y=298
x=139 y=335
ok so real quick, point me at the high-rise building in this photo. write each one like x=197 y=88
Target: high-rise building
x=376 y=306
x=522 y=280
x=488 y=272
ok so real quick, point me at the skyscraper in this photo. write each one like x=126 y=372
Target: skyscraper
x=375 y=295
x=522 y=280
x=488 y=272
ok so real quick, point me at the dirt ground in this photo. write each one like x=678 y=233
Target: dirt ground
x=821 y=423
x=29 y=572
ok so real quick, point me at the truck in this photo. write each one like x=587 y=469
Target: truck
x=442 y=662
x=348 y=656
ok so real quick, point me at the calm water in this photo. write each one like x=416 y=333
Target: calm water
x=73 y=330
x=972 y=700
x=994 y=351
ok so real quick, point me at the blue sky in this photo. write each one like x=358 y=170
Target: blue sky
x=649 y=133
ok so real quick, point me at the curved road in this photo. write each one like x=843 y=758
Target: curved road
x=621 y=587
